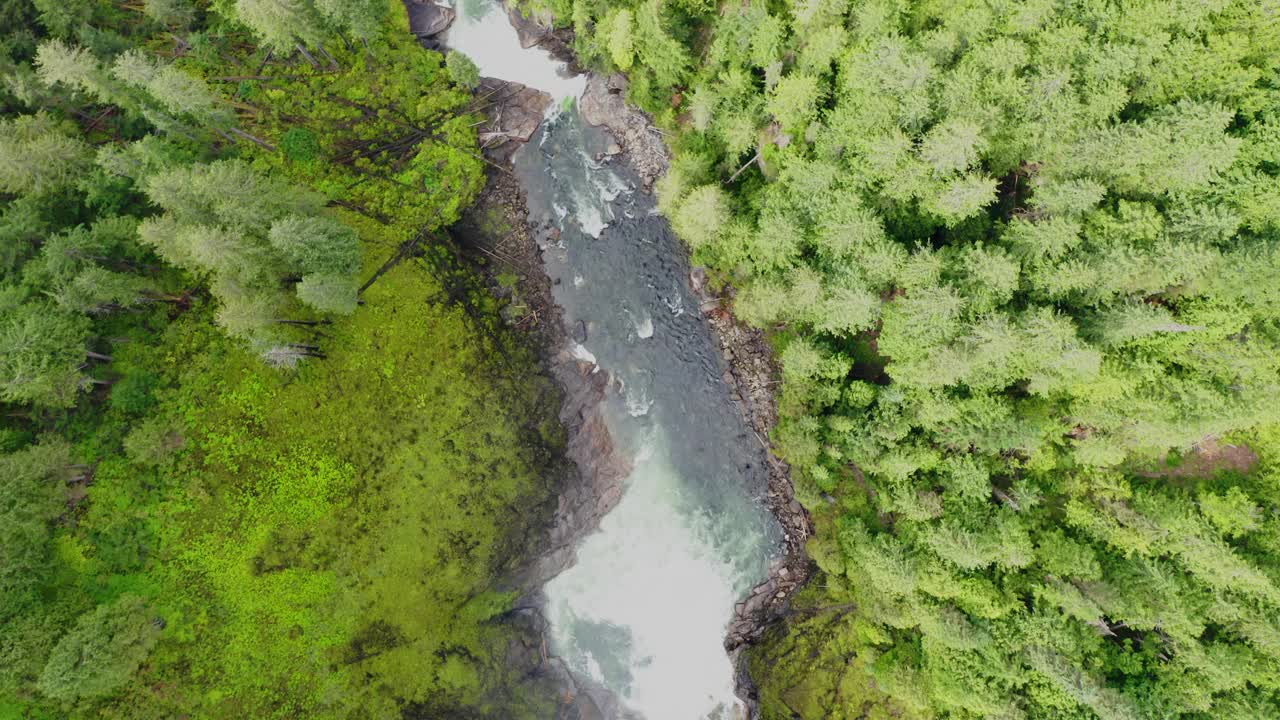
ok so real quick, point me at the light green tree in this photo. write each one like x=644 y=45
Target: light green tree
x=701 y=214
x=31 y=496
x=37 y=154
x=102 y=651
x=42 y=351
x=619 y=37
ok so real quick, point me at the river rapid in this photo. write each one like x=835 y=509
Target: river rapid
x=643 y=609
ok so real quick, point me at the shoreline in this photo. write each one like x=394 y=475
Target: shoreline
x=496 y=230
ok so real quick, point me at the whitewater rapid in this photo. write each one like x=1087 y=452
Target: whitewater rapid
x=644 y=608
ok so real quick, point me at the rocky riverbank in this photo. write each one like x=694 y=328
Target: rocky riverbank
x=498 y=233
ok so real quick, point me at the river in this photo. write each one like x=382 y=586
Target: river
x=643 y=609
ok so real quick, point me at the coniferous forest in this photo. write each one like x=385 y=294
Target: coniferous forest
x=1020 y=261
x=268 y=448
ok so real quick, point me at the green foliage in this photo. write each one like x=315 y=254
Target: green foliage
x=1014 y=255
x=152 y=441
x=701 y=214
x=382 y=134
x=102 y=651
x=619 y=36
x=246 y=233
x=282 y=24
x=298 y=560
x=37 y=154
x=462 y=70
x=30 y=497
x=219 y=536
x=41 y=353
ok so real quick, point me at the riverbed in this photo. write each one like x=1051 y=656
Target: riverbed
x=642 y=609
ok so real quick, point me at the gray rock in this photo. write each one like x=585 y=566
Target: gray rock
x=604 y=104
x=514 y=113
x=427 y=19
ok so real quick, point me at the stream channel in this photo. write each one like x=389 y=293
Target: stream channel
x=643 y=608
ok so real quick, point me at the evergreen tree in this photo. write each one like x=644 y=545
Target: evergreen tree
x=42 y=353
x=102 y=651
x=31 y=496
x=38 y=155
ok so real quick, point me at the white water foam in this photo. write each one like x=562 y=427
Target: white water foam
x=651 y=576
x=644 y=328
x=580 y=352
x=483 y=33
x=636 y=398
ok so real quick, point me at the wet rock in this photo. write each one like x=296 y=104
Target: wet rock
x=698 y=279
x=580 y=333
x=513 y=113
x=595 y=486
x=427 y=19
x=533 y=30
x=604 y=104
x=529 y=31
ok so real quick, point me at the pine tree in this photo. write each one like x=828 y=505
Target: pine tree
x=701 y=215
x=282 y=24
x=31 y=496
x=38 y=155
x=101 y=652
x=41 y=354
x=619 y=36
x=316 y=245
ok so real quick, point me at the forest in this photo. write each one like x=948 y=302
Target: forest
x=1020 y=263
x=242 y=475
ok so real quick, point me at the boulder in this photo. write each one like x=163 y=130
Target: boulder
x=514 y=112
x=427 y=19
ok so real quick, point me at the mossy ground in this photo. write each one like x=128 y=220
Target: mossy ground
x=329 y=541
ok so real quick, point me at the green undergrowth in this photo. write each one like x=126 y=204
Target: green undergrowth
x=321 y=543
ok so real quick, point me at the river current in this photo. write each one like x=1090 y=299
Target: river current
x=644 y=608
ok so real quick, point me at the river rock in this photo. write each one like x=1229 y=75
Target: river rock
x=595 y=485
x=538 y=29
x=604 y=104
x=427 y=19
x=529 y=31
x=698 y=279
x=513 y=112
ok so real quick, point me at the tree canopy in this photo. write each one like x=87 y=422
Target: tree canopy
x=215 y=439
x=1017 y=259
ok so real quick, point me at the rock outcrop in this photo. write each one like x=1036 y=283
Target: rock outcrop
x=512 y=112
x=604 y=104
x=427 y=20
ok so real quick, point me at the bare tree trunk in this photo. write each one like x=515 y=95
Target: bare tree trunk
x=333 y=61
x=406 y=248
x=305 y=323
x=255 y=140
x=98 y=356
x=302 y=49
x=745 y=165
